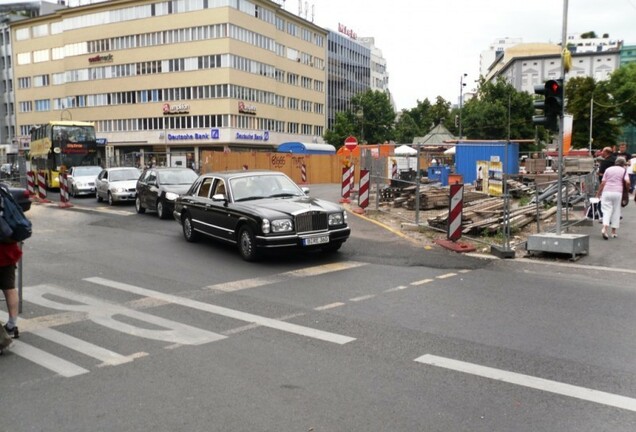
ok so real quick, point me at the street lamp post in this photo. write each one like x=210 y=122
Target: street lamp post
x=591 y=122
x=360 y=117
x=462 y=84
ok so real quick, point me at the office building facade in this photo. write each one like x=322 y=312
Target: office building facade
x=174 y=77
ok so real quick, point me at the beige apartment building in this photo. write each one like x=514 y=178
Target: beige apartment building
x=173 y=78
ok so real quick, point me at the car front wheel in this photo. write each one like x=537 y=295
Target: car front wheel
x=140 y=209
x=161 y=210
x=247 y=244
x=188 y=229
x=111 y=201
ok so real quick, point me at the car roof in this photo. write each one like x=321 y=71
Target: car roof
x=121 y=168
x=240 y=173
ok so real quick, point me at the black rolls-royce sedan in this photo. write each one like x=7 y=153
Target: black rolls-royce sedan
x=258 y=211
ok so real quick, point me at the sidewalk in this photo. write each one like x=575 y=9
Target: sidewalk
x=613 y=253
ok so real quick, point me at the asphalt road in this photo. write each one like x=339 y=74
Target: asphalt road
x=127 y=327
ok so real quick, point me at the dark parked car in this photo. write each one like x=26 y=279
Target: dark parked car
x=158 y=188
x=21 y=195
x=258 y=211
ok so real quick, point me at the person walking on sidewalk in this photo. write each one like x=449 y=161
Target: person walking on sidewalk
x=10 y=254
x=610 y=192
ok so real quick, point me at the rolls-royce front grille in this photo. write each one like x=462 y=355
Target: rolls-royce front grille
x=311 y=221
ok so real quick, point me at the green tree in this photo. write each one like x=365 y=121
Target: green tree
x=498 y=111
x=622 y=86
x=344 y=125
x=406 y=129
x=375 y=116
x=579 y=94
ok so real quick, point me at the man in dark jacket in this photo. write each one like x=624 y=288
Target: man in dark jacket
x=609 y=158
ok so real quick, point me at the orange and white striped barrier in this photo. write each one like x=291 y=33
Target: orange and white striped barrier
x=345 y=192
x=30 y=183
x=65 y=199
x=303 y=173
x=42 y=188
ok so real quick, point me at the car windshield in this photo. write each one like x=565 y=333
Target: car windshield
x=263 y=186
x=123 y=175
x=86 y=171
x=177 y=177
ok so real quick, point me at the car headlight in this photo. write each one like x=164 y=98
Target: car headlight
x=277 y=226
x=171 y=196
x=337 y=218
x=119 y=190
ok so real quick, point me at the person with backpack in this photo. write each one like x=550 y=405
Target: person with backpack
x=14 y=228
x=10 y=254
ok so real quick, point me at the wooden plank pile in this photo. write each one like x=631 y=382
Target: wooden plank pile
x=431 y=197
x=487 y=216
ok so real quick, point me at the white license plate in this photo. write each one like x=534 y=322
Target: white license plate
x=316 y=240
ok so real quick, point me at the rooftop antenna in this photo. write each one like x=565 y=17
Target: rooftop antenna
x=300 y=8
x=313 y=12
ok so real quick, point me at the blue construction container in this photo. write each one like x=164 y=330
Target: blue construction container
x=468 y=153
x=439 y=173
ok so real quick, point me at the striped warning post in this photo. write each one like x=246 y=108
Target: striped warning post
x=30 y=183
x=363 y=195
x=42 y=188
x=394 y=171
x=303 y=173
x=65 y=200
x=346 y=185
x=352 y=178
x=455 y=212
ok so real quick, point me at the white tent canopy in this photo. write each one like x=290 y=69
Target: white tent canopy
x=450 y=151
x=405 y=150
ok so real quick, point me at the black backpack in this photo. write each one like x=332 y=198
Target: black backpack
x=14 y=225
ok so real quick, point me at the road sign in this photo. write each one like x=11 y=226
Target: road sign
x=350 y=142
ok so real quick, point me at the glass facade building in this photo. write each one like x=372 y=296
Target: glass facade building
x=349 y=73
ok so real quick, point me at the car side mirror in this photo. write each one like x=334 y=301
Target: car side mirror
x=305 y=190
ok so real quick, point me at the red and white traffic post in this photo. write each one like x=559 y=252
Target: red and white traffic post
x=363 y=195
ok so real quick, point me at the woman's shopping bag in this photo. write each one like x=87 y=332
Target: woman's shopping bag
x=594 y=211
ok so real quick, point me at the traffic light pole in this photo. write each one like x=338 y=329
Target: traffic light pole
x=564 y=46
x=557 y=242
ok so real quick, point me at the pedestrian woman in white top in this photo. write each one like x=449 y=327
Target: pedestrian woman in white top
x=611 y=192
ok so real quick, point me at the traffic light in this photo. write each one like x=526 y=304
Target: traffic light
x=551 y=105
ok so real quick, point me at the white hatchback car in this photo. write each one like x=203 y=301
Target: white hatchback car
x=82 y=179
x=117 y=184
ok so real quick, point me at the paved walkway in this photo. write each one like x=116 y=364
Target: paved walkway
x=618 y=253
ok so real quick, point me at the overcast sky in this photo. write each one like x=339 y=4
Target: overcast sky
x=429 y=44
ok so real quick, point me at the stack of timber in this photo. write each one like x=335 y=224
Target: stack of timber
x=431 y=197
x=487 y=216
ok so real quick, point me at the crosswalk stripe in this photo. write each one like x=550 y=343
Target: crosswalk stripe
x=556 y=387
x=108 y=358
x=281 y=277
x=219 y=310
x=46 y=360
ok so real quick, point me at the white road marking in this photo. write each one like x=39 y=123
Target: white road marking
x=281 y=277
x=361 y=298
x=108 y=358
x=329 y=306
x=219 y=310
x=445 y=276
x=556 y=387
x=397 y=288
x=103 y=313
x=422 y=282
x=46 y=360
x=465 y=271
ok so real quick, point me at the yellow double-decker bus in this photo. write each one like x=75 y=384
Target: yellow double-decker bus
x=61 y=145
